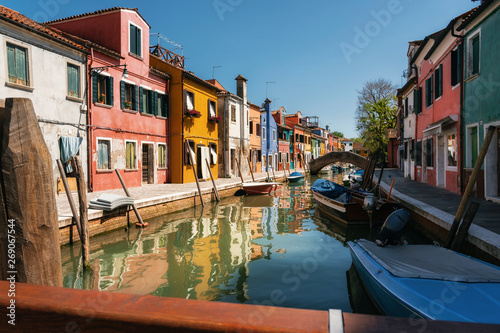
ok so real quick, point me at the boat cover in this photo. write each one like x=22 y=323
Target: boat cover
x=328 y=188
x=295 y=174
x=430 y=262
x=109 y=202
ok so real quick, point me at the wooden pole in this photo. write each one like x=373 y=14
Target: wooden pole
x=213 y=182
x=139 y=218
x=470 y=186
x=251 y=171
x=28 y=204
x=239 y=169
x=76 y=219
x=196 y=177
x=392 y=184
x=465 y=225
x=82 y=202
x=274 y=175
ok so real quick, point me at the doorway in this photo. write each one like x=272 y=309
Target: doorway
x=148 y=158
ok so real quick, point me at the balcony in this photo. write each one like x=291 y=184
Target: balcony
x=168 y=56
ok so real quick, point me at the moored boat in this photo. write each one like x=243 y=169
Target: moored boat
x=430 y=282
x=346 y=205
x=295 y=177
x=253 y=188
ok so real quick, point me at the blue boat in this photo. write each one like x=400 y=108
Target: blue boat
x=430 y=282
x=295 y=177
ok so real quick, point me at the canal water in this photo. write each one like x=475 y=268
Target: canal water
x=267 y=250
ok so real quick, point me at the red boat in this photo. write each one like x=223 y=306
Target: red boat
x=259 y=188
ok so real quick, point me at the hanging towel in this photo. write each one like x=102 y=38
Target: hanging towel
x=69 y=148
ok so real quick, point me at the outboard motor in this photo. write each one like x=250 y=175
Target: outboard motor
x=393 y=227
x=370 y=204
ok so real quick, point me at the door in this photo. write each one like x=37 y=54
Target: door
x=148 y=163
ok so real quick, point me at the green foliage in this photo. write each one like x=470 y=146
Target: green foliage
x=359 y=140
x=337 y=133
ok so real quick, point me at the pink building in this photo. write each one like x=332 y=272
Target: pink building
x=128 y=100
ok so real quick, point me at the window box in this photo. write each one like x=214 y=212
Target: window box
x=192 y=114
x=215 y=120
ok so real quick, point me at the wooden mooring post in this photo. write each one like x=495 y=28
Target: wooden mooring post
x=213 y=182
x=239 y=169
x=75 y=218
x=251 y=171
x=82 y=203
x=470 y=186
x=463 y=230
x=28 y=209
x=139 y=218
x=191 y=160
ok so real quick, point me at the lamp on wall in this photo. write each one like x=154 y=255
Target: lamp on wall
x=99 y=70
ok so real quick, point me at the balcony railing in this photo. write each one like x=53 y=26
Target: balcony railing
x=168 y=56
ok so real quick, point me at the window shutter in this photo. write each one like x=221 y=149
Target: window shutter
x=141 y=99
x=22 y=72
x=94 y=88
x=134 y=97
x=440 y=79
x=155 y=108
x=164 y=105
x=11 y=59
x=151 y=98
x=459 y=62
x=122 y=94
x=475 y=55
x=110 y=91
x=431 y=84
x=139 y=42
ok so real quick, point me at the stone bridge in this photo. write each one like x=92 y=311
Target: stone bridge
x=337 y=156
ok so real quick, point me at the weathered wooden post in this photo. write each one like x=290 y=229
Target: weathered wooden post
x=250 y=165
x=213 y=182
x=28 y=205
x=82 y=202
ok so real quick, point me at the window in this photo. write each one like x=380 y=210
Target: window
x=131 y=156
x=456 y=66
x=274 y=135
x=135 y=40
x=412 y=150
x=452 y=150
x=162 y=155
x=190 y=147
x=429 y=149
x=103 y=154
x=279 y=157
x=161 y=106
x=472 y=146
x=251 y=127
x=233 y=113
x=189 y=100
x=103 y=89
x=473 y=54
x=213 y=153
x=147 y=101
x=73 y=80
x=263 y=133
x=17 y=62
x=128 y=96
x=257 y=129
x=211 y=109
x=438 y=89
x=418 y=153
x=406 y=107
x=428 y=91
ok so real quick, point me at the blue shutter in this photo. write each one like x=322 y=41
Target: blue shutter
x=110 y=91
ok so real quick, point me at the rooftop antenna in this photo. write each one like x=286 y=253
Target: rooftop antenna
x=213 y=71
x=171 y=42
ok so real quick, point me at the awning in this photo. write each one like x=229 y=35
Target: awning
x=436 y=127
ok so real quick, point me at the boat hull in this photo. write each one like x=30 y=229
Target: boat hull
x=428 y=298
x=259 y=188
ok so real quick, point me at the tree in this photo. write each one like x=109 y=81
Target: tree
x=374 y=91
x=338 y=134
x=372 y=123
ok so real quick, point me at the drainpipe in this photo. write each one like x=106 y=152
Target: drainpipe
x=90 y=131
x=461 y=131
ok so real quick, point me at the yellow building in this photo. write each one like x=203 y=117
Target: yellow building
x=193 y=128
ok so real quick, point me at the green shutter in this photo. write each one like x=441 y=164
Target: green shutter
x=22 y=72
x=122 y=95
x=475 y=55
x=134 y=97
x=440 y=79
x=109 y=93
x=459 y=62
x=133 y=40
x=141 y=99
x=95 y=92
x=474 y=146
x=11 y=60
x=139 y=42
x=155 y=105
x=164 y=105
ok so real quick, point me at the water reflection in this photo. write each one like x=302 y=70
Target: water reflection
x=246 y=249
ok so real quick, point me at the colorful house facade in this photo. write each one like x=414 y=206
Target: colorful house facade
x=298 y=139
x=284 y=134
x=128 y=100
x=269 y=138
x=255 y=140
x=48 y=67
x=481 y=96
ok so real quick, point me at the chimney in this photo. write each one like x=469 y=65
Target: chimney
x=241 y=88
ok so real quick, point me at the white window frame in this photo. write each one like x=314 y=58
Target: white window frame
x=470 y=76
x=80 y=81
x=165 y=157
x=235 y=113
x=274 y=135
x=263 y=133
x=141 y=30
x=136 y=157
x=97 y=139
x=29 y=86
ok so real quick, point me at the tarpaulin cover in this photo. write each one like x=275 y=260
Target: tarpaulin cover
x=328 y=188
x=69 y=148
x=430 y=262
x=295 y=174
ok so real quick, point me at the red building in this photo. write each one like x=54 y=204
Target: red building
x=298 y=138
x=284 y=135
x=128 y=100
x=436 y=149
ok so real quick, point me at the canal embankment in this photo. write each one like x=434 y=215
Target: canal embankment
x=433 y=210
x=150 y=200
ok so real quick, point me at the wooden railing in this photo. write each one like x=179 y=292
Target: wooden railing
x=167 y=55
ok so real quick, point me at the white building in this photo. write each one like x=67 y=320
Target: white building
x=40 y=63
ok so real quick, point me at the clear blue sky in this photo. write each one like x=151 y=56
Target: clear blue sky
x=312 y=50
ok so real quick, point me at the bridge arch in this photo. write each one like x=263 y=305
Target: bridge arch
x=337 y=156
